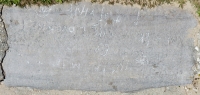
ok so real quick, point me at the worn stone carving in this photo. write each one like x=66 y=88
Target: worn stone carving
x=98 y=47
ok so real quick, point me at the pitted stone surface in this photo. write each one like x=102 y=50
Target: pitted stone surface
x=98 y=47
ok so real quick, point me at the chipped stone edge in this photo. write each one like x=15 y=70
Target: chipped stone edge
x=3 y=43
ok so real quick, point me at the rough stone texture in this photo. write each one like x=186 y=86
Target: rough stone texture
x=1 y=73
x=3 y=43
x=98 y=47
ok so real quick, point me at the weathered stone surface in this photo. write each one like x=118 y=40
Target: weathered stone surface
x=1 y=73
x=3 y=44
x=98 y=47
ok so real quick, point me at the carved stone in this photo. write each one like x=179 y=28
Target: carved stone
x=98 y=47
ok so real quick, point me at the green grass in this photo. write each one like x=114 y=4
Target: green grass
x=197 y=5
x=23 y=3
x=143 y=3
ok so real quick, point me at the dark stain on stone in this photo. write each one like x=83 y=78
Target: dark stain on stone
x=114 y=87
x=109 y=21
x=63 y=14
x=110 y=83
x=14 y=22
x=154 y=65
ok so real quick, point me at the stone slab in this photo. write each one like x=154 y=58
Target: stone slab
x=98 y=47
x=1 y=73
x=3 y=47
x=3 y=44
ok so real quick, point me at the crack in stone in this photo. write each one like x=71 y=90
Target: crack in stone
x=3 y=44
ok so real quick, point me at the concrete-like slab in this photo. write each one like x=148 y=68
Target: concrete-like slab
x=98 y=47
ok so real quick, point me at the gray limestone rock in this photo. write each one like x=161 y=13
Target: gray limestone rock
x=98 y=47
